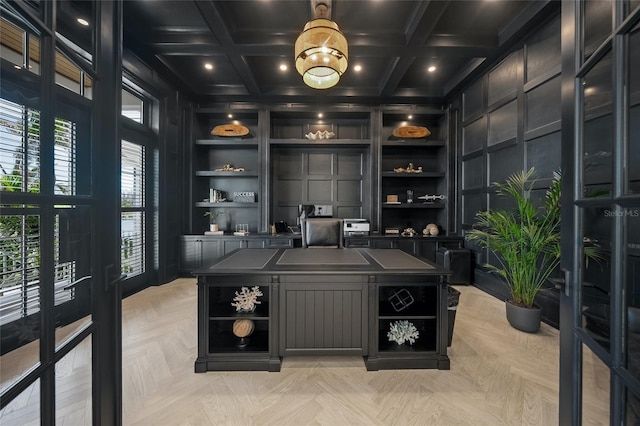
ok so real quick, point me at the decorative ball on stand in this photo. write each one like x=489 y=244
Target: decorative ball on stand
x=243 y=327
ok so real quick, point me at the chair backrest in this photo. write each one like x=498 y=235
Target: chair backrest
x=322 y=232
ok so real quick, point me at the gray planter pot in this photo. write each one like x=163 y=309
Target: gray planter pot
x=523 y=319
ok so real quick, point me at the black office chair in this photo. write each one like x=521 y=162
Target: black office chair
x=322 y=232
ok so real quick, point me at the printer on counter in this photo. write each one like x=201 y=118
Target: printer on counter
x=353 y=227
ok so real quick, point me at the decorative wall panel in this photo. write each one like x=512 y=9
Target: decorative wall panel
x=543 y=105
x=472 y=172
x=474 y=136
x=473 y=100
x=471 y=203
x=543 y=51
x=503 y=123
x=505 y=162
x=544 y=154
x=320 y=164
x=319 y=175
x=503 y=79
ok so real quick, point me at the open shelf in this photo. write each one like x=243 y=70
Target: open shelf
x=223 y=341
x=426 y=342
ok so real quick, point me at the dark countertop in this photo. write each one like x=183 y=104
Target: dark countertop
x=322 y=261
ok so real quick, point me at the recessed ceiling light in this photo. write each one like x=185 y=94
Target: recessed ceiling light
x=410 y=117
x=83 y=21
x=431 y=68
x=230 y=116
x=208 y=66
x=357 y=68
x=283 y=67
x=320 y=115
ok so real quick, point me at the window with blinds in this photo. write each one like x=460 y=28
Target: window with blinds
x=132 y=219
x=19 y=226
x=19 y=148
x=19 y=266
x=64 y=157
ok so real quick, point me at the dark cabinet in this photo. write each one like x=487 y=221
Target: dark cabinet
x=410 y=325
x=196 y=250
x=409 y=307
x=234 y=339
x=426 y=247
x=199 y=250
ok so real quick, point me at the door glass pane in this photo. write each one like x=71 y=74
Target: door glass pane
x=73 y=270
x=597 y=24
x=11 y=43
x=34 y=54
x=73 y=386
x=595 y=389
x=19 y=294
x=88 y=87
x=598 y=130
x=633 y=147
x=596 y=316
x=24 y=409
x=75 y=24
x=132 y=221
x=633 y=292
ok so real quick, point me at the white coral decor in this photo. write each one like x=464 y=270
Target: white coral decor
x=247 y=299
x=401 y=331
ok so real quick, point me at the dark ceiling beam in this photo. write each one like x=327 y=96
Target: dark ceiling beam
x=482 y=41
x=213 y=18
x=526 y=19
x=417 y=32
x=190 y=49
x=332 y=101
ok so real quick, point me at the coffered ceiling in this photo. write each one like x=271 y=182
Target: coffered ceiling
x=393 y=41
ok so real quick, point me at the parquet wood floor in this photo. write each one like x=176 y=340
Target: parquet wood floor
x=498 y=376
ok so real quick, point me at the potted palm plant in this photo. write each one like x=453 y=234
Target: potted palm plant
x=526 y=242
x=213 y=216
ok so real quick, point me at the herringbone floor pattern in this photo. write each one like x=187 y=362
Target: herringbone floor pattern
x=498 y=376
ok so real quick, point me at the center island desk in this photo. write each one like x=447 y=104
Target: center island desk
x=322 y=301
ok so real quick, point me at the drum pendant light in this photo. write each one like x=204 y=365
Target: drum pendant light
x=321 y=50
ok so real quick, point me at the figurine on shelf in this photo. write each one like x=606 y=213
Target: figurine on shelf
x=431 y=198
x=320 y=134
x=230 y=168
x=246 y=300
x=403 y=331
x=431 y=230
x=409 y=169
x=409 y=232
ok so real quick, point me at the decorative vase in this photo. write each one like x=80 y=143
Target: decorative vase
x=523 y=319
x=213 y=227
